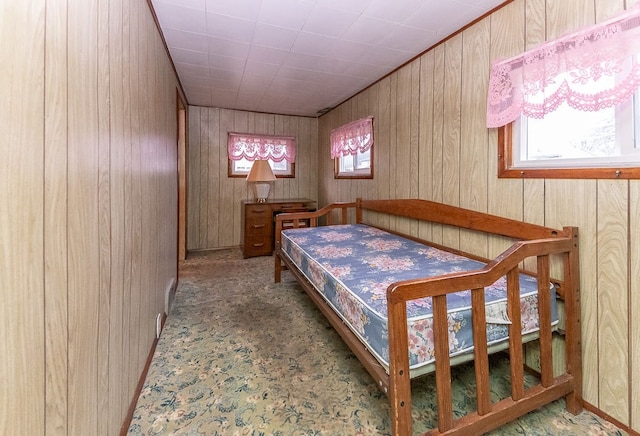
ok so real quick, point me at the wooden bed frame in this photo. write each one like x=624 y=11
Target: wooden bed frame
x=545 y=244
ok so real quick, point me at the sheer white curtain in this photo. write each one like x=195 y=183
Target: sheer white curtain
x=591 y=69
x=263 y=147
x=351 y=138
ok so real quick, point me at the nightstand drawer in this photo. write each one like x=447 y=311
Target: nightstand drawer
x=258 y=246
x=258 y=228
x=258 y=212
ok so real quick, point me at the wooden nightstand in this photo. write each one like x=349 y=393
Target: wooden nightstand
x=257 y=229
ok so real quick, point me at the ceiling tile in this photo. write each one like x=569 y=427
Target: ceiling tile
x=303 y=76
x=267 y=35
x=353 y=6
x=192 y=4
x=255 y=83
x=348 y=50
x=261 y=68
x=303 y=60
x=224 y=47
x=329 y=22
x=192 y=70
x=224 y=79
x=447 y=18
x=312 y=44
x=399 y=11
x=268 y=55
x=181 y=18
x=368 y=30
x=186 y=40
x=385 y=57
x=410 y=39
x=291 y=14
x=230 y=28
x=226 y=63
x=180 y=55
x=244 y=9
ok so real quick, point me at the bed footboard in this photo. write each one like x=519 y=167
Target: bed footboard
x=487 y=416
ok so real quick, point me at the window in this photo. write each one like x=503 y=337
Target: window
x=572 y=138
x=571 y=107
x=352 y=150
x=243 y=149
x=241 y=168
x=360 y=163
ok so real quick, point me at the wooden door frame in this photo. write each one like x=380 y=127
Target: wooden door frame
x=182 y=115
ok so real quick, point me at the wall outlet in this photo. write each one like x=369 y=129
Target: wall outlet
x=158 y=325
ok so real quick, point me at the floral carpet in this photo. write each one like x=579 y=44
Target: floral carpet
x=241 y=355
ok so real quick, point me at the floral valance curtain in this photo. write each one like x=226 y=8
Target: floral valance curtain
x=349 y=139
x=264 y=147
x=590 y=70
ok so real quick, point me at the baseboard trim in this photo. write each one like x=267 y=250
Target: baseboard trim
x=134 y=401
x=593 y=409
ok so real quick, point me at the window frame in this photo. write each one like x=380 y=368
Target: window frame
x=506 y=168
x=231 y=173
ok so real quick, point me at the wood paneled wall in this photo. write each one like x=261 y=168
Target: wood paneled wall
x=431 y=142
x=213 y=206
x=88 y=187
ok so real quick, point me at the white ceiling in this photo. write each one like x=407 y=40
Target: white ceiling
x=298 y=57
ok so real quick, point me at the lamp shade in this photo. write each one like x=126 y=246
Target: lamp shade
x=261 y=172
x=261 y=175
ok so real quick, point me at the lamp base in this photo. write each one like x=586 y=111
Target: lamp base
x=262 y=192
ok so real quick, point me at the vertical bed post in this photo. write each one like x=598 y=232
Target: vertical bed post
x=480 y=351
x=544 y=321
x=277 y=272
x=443 y=364
x=399 y=380
x=515 y=335
x=572 y=327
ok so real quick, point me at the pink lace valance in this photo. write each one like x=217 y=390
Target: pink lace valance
x=352 y=138
x=252 y=147
x=590 y=70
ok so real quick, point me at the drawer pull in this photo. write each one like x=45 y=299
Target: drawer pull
x=258 y=226
x=258 y=245
x=257 y=210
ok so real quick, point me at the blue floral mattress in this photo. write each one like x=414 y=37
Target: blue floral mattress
x=352 y=265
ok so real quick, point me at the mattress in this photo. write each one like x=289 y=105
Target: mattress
x=352 y=265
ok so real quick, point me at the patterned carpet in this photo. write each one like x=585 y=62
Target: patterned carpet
x=241 y=355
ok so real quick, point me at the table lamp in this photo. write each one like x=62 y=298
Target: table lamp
x=261 y=176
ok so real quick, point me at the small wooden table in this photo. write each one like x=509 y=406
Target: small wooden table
x=257 y=229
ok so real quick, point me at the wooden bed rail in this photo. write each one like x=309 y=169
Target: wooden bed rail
x=425 y=210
